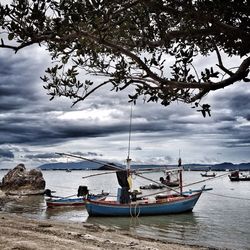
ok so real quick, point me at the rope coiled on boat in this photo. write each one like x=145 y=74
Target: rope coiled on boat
x=135 y=214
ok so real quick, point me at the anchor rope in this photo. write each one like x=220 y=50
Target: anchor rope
x=228 y=196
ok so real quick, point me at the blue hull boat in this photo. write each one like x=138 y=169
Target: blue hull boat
x=62 y=202
x=171 y=204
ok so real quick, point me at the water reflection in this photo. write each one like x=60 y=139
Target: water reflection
x=175 y=227
x=77 y=214
x=26 y=205
x=159 y=221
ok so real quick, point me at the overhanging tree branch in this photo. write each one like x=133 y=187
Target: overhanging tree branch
x=130 y=43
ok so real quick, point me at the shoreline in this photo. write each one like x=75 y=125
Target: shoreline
x=18 y=232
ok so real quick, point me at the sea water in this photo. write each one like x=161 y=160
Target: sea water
x=220 y=219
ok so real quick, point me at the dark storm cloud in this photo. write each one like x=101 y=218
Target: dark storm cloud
x=17 y=83
x=45 y=129
x=42 y=156
x=98 y=130
x=233 y=113
x=237 y=101
x=86 y=154
x=6 y=153
x=21 y=88
x=49 y=133
x=236 y=136
x=238 y=142
x=23 y=104
x=240 y=103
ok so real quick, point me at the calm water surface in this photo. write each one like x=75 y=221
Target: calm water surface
x=220 y=219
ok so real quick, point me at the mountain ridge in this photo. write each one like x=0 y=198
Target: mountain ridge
x=87 y=165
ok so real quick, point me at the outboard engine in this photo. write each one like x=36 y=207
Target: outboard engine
x=82 y=191
x=48 y=192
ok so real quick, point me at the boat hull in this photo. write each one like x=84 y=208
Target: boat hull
x=155 y=186
x=208 y=175
x=64 y=202
x=239 y=178
x=138 y=208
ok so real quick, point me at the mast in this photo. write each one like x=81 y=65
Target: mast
x=180 y=173
x=128 y=160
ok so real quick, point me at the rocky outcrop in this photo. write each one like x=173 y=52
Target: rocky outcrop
x=21 y=180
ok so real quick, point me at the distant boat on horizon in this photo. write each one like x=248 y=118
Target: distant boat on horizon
x=208 y=174
x=237 y=176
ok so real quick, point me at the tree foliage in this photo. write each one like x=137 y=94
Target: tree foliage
x=148 y=46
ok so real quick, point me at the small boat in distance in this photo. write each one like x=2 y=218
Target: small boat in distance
x=208 y=174
x=164 y=183
x=237 y=176
x=168 y=181
x=155 y=186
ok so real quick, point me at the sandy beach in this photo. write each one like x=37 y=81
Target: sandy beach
x=17 y=232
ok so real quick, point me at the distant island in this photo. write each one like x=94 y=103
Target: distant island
x=87 y=165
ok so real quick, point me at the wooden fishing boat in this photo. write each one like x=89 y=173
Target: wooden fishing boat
x=163 y=204
x=62 y=202
x=208 y=174
x=237 y=176
x=173 y=184
x=77 y=201
x=129 y=204
x=171 y=204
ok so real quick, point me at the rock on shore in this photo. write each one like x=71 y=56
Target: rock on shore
x=21 y=180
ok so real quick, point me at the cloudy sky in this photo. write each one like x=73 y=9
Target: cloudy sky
x=32 y=128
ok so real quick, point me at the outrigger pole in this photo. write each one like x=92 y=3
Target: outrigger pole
x=86 y=159
x=119 y=168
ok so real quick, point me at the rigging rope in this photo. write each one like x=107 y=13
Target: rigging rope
x=232 y=197
x=208 y=179
x=187 y=185
x=93 y=175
